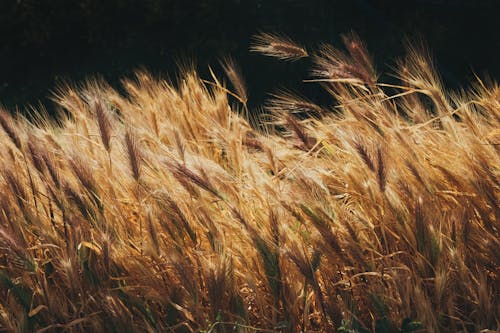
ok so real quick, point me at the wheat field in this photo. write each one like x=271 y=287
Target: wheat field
x=172 y=207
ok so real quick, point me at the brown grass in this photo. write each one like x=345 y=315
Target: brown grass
x=278 y=46
x=380 y=213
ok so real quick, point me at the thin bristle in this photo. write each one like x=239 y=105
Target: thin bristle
x=381 y=169
x=6 y=123
x=16 y=254
x=153 y=234
x=308 y=142
x=36 y=155
x=104 y=122
x=83 y=173
x=365 y=156
x=134 y=155
x=233 y=72
x=333 y=65
x=277 y=46
x=289 y=101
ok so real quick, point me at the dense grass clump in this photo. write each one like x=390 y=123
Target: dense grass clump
x=168 y=209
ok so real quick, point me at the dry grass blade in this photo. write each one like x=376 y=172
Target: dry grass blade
x=182 y=171
x=291 y=102
x=6 y=122
x=381 y=169
x=134 y=153
x=307 y=142
x=333 y=65
x=381 y=215
x=16 y=254
x=35 y=153
x=104 y=122
x=364 y=154
x=233 y=72
x=359 y=53
x=17 y=188
x=84 y=173
x=153 y=233
x=277 y=46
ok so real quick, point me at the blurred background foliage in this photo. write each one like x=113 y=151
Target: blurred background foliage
x=43 y=42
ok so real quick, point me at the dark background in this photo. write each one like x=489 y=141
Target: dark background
x=43 y=42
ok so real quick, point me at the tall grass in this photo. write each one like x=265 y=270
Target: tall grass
x=163 y=209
